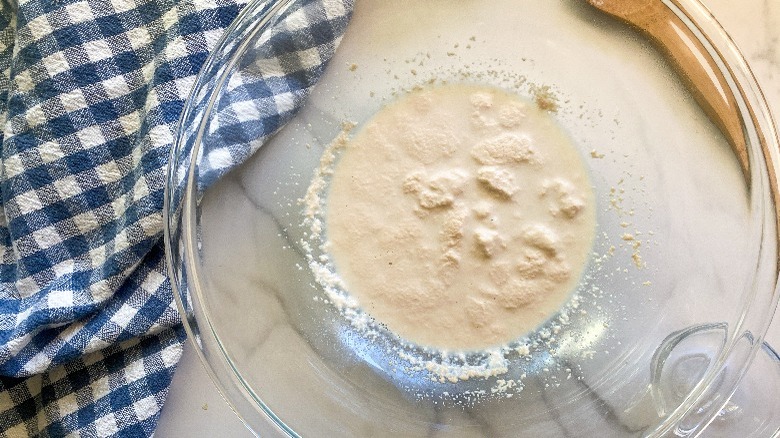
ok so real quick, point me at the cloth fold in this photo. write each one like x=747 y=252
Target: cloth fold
x=90 y=93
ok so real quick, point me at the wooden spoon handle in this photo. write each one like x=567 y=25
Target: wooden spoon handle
x=698 y=69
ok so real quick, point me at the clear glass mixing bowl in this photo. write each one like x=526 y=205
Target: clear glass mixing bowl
x=655 y=348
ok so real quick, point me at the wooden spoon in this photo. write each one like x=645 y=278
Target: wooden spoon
x=691 y=60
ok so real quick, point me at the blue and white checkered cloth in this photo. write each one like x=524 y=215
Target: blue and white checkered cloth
x=90 y=92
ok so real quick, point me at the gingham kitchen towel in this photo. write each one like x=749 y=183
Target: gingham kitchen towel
x=90 y=92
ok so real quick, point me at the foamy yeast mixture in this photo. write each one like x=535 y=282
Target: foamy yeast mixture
x=460 y=217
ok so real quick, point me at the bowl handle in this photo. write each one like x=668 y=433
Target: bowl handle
x=754 y=408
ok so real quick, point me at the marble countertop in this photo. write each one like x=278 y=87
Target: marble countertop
x=195 y=408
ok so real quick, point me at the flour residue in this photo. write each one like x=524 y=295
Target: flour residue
x=460 y=217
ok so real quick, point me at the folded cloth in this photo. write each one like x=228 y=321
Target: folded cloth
x=90 y=92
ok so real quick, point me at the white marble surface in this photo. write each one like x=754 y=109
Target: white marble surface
x=195 y=408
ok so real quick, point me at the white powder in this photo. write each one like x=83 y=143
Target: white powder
x=452 y=229
x=459 y=218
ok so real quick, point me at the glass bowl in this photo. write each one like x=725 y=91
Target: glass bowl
x=655 y=338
